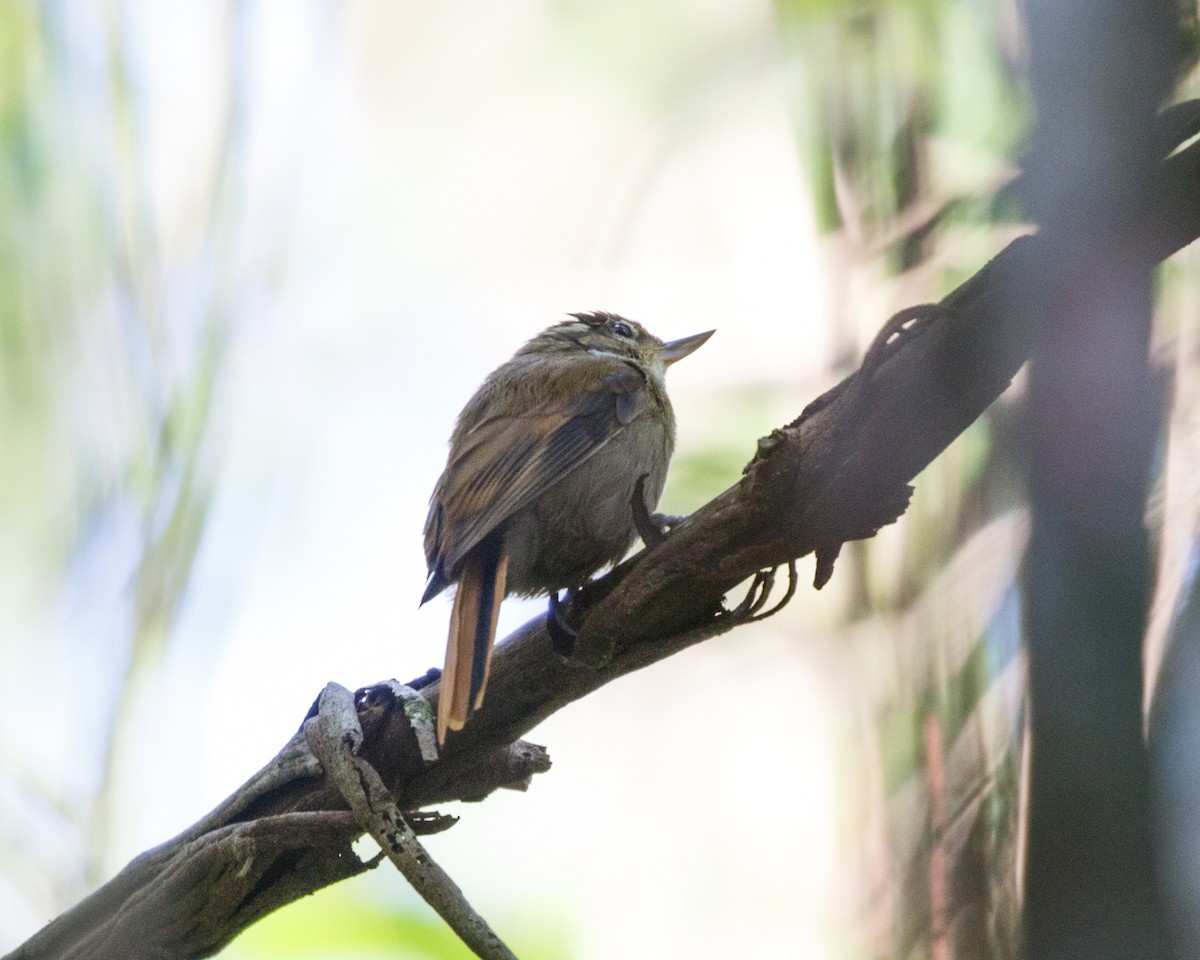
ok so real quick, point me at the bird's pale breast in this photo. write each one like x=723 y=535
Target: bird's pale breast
x=585 y=521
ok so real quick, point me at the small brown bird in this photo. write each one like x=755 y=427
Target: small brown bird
x=538 y=489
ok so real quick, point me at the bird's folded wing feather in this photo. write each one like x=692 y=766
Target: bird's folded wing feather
x=508 y=460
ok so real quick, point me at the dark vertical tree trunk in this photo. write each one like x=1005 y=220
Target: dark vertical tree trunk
x=1100 y=68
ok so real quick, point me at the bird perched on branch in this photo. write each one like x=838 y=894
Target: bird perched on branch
x=537 y=494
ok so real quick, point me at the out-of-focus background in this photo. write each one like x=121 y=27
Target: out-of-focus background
x=255 y=257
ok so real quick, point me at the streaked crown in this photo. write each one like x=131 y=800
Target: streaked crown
x=601 y=333
x=606 y=334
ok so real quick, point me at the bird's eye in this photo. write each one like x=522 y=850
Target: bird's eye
x=622 y=329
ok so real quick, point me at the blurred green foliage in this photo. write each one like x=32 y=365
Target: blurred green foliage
x=344 y=924
x=107 y=369
x=910 y=116
x=907 y=118
x=878 y=83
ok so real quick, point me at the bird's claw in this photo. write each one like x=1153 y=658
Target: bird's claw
x=432 y=674
x=665 y=522
x=562 y=635
x=651 y=527
x=902 y=325
x=751 y=609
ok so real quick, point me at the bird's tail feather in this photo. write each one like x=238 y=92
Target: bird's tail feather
x=472 y=632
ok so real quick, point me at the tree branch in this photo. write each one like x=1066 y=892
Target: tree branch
x=838 y=472
x=334 y=735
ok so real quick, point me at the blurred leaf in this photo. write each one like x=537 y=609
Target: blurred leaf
x=340 y=923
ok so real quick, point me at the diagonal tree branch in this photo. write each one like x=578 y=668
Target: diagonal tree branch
x=838 y=472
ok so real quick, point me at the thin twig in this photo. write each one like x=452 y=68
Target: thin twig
x=334 y=736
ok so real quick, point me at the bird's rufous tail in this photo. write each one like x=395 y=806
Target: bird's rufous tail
x=472 y=632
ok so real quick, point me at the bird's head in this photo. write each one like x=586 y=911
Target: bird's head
x=606 y=334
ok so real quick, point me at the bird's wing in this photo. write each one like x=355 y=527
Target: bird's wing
x=511 y=458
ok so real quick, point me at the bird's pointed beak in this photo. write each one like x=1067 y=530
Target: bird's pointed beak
x=678 y=349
